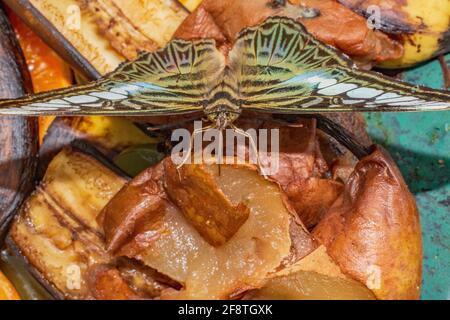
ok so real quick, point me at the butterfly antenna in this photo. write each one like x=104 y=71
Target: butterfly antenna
x=253 y=146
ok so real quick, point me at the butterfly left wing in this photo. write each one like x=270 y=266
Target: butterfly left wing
x=173 y=80
x=279 y=67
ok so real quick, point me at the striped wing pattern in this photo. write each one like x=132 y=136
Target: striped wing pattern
x=280 y=68
x=174 y=80
x=276 y=67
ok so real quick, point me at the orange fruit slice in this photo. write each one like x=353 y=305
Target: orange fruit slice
x=48 y=71
x=7 y=291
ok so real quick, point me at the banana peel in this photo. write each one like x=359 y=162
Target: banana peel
x=422 y=26
x=17 y=272
x=18 y=135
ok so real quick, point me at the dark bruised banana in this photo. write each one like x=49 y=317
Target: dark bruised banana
x=18 y=135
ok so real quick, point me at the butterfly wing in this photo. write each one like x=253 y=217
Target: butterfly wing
x=279 y=67
x=173 y=80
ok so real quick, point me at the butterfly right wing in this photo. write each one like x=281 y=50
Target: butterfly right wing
x=173 y=80
x=278 y=67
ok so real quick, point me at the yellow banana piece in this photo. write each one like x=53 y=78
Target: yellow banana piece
x=432 y=40
x=422 y=25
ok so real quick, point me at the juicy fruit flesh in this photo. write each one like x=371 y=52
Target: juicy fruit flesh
x=310 y=285
x=315 y=277
x=243 y=262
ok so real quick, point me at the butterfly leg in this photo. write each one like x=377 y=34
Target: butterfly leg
x=191 y=142
x=333 y=129
x=169 y=126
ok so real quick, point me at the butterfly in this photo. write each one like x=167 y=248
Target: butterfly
x=276 y=67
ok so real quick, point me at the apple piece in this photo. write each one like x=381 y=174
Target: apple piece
x=309 y=285
x=106 y=283
x=164 y=239
x=216 y=219
x=303 y=171
x=353 y=36
x=372 y=231
x=139 y=203
x=315 y=277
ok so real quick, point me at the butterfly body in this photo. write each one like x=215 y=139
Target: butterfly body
x=276 y=67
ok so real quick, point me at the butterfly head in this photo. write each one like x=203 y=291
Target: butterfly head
x=222 y=116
